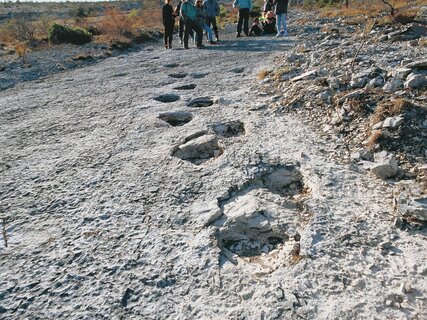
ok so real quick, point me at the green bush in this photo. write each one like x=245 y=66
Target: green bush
x=64 y=34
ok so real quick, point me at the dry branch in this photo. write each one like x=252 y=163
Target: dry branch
x=365 y=36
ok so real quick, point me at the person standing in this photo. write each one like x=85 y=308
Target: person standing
x=181 y=23
x=212 y=11
x=188 y=13
x=201 y=20
x=168 y=22
x=281 y=13
x=245 y=7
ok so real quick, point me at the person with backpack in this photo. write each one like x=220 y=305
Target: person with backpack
x=212 y=11
x=168 y=22
x=181 y=23
x=281 y=13
x=188 y=13
x=245 y=7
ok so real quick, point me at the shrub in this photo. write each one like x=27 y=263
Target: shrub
x=21 y=29
x=82 y=11
x=94 y=30
x=64 y=34
x=117 y=22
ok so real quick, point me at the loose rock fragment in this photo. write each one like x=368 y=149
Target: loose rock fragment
x=199 y=150
x=385 y=165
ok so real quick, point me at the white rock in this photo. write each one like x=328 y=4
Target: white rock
x=377 y=126
x=305 y=75
x=415 y=208
x=401 y=73
x=374 y=83
x=393 y=122
x=385 y=165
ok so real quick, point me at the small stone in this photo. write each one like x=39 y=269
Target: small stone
x=393 y=122
x=415 y=81
x=393 y=84
x=383 y=38
x=374 y=83
x=247 y=295
x=389 y=303
x=294 y=57
x=406 y=287
x=393 y=236
x=265 y=80
x=377 y=126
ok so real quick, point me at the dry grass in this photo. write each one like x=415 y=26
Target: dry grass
x=390 y=108
x=373 y=139
x=277 y=74
x=404 y=10
x=262 y=74
x=112 y=20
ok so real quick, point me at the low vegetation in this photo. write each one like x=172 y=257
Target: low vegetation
x=391 y=11
x=64 y=34
x=36 y=25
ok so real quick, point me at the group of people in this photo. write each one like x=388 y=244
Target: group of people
x=194 y=19
x=272 y=20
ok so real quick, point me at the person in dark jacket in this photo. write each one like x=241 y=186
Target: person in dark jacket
x=281 y=13
x=168 y=22
x=255 y=30
x=245 y=7
x=181 y=23
x=212 y=11
x=188 y=13
x=269 y=24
